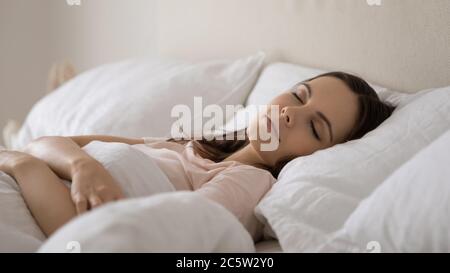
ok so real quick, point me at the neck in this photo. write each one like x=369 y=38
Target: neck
x=248 y=156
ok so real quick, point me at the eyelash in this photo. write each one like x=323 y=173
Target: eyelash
x=313 y=128
x=316 y=135
x=297 y=97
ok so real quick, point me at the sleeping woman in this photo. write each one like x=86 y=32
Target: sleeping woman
x=315 y=114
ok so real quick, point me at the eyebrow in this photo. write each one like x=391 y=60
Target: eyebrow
x=320 y=114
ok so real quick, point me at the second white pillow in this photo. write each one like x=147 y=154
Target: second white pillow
x=134 y=98
x=409 y=211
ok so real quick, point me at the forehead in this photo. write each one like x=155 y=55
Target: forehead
x=336 y=101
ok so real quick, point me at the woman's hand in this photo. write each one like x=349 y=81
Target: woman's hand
x=93 y=185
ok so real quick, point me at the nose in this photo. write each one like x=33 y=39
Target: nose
x=292 y=115
x=287 y=116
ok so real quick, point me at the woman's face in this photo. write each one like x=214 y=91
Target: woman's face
x=312 y=115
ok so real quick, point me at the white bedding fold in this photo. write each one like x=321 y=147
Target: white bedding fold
x=169 y=222
x=156 y=218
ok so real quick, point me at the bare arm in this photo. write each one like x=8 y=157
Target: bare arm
x=47 y=198
x=84 y=140
x=92 y=184
x=64 y=154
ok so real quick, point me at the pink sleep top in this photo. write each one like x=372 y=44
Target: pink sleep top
x=236 y=186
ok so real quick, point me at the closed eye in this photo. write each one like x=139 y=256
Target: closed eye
x=314 y=131
x=297 y=97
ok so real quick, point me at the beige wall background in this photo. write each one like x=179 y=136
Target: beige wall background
x=24 y=55
x=401 y=44
x=34 y=34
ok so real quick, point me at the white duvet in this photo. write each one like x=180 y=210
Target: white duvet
x=154 y=218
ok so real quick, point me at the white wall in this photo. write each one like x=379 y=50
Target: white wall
x=34 y=34
x=24 y=56
x=103 y=30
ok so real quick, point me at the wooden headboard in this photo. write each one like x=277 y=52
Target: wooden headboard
x=401 y=44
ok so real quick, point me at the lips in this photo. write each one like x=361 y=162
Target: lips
x=270 y=125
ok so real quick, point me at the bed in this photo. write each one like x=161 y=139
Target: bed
x=400 y=47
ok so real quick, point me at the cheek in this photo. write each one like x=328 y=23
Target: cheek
x=298 y=143
x=252 y=128
x=257 y=127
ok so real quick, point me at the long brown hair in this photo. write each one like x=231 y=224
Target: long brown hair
x=371 y=113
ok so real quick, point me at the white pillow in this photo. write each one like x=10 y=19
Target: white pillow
x=135 y=97
x=409 y=212
x=277 y=78
x=181 y=221
x=315 y=194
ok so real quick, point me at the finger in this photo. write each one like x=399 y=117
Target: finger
x=116 y=196
x=110 y=197
x=106 y=195
x=81 y=204
x=95 y=200
x=120 y=196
